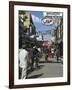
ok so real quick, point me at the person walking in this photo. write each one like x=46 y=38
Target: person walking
x=23 y=58
x=46 y=54
x=35 y=56
x=52 y=52
x=57 y=52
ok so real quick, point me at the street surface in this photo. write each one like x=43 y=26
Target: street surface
x=47 y=69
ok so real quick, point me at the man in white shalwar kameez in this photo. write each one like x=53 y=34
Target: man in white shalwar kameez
x=23 y=57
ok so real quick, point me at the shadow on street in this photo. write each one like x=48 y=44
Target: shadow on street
x=30 y=71
x=35 y=76
x=50 y=62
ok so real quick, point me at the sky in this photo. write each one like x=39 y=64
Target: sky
x=37 y=16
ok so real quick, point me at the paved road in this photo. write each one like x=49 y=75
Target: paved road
x=47 y=69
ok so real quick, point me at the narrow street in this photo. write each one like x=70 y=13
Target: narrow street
x=41 y=31
x=47 y=69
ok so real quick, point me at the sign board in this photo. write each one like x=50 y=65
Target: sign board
x=47 y=21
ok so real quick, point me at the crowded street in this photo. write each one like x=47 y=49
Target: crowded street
x=40 y=44
x=47 y=69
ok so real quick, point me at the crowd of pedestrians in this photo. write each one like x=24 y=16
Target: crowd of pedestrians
x=54 y=51
x=29 y=57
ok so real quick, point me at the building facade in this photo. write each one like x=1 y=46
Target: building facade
x=58 y=32
x=26 y=28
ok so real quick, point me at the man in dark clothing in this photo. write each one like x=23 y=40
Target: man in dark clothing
x=46 y=54
x=61 y=49
x=35 y=56
x=57 y=51
x=31 y=61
